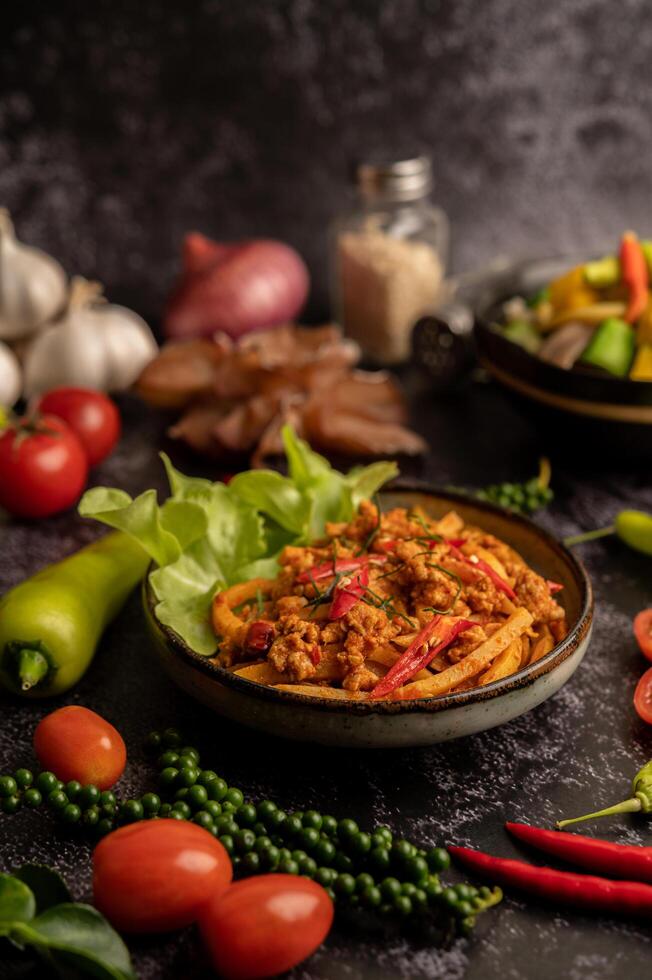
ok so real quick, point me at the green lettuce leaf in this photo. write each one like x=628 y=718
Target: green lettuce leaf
x=163 y=532
x=207 y=536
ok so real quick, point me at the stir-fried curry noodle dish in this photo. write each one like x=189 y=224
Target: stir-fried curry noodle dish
x=393 y=605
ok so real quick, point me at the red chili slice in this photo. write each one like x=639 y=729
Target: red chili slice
x=553 y=587
x=330 y=568
x=348 y=592
x=431 y=640
x=260 y=637
x=482 y=566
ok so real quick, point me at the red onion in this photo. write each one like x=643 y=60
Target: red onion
x=235 y=288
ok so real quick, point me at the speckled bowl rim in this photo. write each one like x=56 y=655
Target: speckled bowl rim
x=443 y=702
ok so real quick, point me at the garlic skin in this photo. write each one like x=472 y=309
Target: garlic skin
x=10 y=377
x=94 y=345
x=33 y=286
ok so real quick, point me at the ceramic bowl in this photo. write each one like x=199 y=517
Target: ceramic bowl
x=583 y=411
x=384 y=724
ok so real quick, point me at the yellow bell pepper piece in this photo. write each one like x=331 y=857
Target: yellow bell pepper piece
x=593 y=314
x=642 y=369
x=644 y=328
x=571 y=291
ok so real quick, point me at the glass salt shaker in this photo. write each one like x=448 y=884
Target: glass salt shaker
x=388 y=257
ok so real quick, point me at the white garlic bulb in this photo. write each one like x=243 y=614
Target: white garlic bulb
x=10 y=378
x=33 y=286
x=95 y=345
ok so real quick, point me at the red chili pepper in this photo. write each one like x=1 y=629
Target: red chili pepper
x=349 y=591
x=583 y=891
x=315 y=655
x=330 y=568
x=456 y=542
x=260 y=637
x=553 y=587
x=634 y=274
x=601 y=856
x=431 y=640
x=388 y=545
x=483 y=566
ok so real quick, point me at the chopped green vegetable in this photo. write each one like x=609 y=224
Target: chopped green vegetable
x=542 y=296
x=603 y=272
x=524 y=334
x=207 y=536
x=611 y=347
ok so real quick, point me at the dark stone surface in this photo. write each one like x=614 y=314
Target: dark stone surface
x=576 y=750
x=124 y=124
x=121 y=126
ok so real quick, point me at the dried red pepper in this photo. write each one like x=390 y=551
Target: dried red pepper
x=634 y=274
x=553 y=587
x=344 y=565
x=260 y=637
x=347 y=592
x=483 y=566
x=561 y=887
x=600 y=856
x=431 y=640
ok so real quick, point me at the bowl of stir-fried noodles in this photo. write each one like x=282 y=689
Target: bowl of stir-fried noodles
x=427 y=617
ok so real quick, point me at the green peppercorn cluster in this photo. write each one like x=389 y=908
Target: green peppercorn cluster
x=523 y=498
x=371 y=871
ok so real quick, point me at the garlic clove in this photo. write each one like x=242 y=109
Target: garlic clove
x=10 y=377
x=95 y=345
x=67 y=353
x=130 y=345
x=33 y=286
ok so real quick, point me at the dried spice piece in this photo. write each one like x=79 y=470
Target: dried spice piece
x=235 y=396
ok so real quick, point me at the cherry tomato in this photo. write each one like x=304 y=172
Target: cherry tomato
x=76 y=743
x=90 y=414
x=43 y=467
x=643 y=632
x=156 y=875
x=643 y=697
x=263 y=926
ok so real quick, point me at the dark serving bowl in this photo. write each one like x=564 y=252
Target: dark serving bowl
x=584 y=411
x=381 y=724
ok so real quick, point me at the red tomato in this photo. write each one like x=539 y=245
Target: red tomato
x=156 y=875
x=76 y=743
x=643 y=632
x=43 y=467
x=266 y=925
x=90 y=414
x=643 y=697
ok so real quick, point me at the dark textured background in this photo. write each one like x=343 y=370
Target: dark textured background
x=122 y=125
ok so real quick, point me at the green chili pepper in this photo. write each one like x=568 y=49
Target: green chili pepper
x=634 y=527
x=639 y=802
x=51 y=624
x=524 y=334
